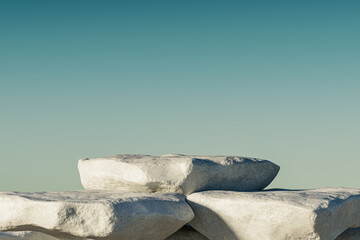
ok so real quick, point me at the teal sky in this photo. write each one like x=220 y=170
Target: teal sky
x=278 y=80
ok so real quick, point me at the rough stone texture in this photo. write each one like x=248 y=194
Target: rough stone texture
x=275 y=214
x=350 y=234
x=25 y=235
x=187 y=233
x=95 y=214
x=176 y=173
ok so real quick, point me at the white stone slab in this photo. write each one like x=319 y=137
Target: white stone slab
x=95 y=214
x=187 y=233
x=176 y=173
x=275 y=215
x=350 y=234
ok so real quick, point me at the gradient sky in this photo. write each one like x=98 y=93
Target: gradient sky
x=278 y=80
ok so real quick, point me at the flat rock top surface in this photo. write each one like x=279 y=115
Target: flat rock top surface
x=166 y=158
x=312 y=199
x=144 y=159
x=94 y=196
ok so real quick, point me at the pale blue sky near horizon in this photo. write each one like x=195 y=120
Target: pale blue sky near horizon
x=278 y=80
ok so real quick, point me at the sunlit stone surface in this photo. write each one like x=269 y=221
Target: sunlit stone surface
x=176 y=173
x=109 y=215
x=275 y=214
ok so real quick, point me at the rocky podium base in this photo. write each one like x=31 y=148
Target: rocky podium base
x=179 y=197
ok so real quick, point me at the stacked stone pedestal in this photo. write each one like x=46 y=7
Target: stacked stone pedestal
x=179 y=197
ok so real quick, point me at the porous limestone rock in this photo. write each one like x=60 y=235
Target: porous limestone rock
x=25 y=235
x=350 y=234
x=95 y=214
x=187 y=233
x=275 y=214
x=176 y=173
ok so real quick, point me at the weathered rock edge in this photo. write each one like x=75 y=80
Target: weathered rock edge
x=176 y=173
x=95 y=214
x=275 y=214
